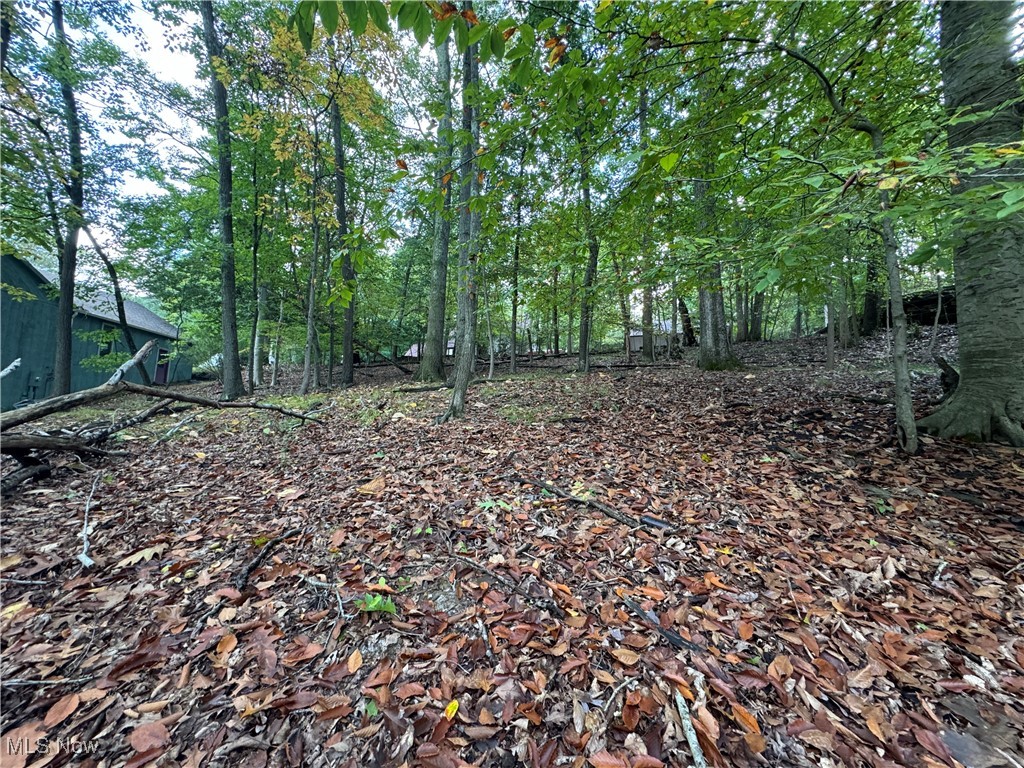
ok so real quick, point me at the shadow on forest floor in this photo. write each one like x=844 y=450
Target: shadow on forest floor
x=816 y=598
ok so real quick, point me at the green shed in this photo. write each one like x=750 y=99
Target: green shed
x=28 y=328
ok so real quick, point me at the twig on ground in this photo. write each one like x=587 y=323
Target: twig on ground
x=21 y=683
x=542 y=602
x=173 y=430
x=25 y=582
x=83 y=556
x=243 y=578
x=699 y=761
x=674 y=638
x=614 y=514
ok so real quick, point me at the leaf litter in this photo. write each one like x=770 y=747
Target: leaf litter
x=784 y=581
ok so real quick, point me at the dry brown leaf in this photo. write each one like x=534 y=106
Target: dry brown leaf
x=374 y=486
x=61 y=710
x=626 y=656
x=355 y=661
x=744 y=718
x=149 y=736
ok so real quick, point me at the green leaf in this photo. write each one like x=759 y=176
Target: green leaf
x=442 y=30
x=477 y=32
x=497 y=43
x=461 y=34
x=379 y=15
x=422 y=26
x=814 y=181
x=355 y=10
x=668 y=162
x=304 y=20
x=529 y=37
x=521 y=72
x=406 y=14
x=483 y=47
x=1011 y=196
x=329 y=15
x=1010 y=209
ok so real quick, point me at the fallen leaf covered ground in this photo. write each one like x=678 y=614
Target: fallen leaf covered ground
x=792 y=591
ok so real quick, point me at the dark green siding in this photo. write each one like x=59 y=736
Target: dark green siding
x=28 y=329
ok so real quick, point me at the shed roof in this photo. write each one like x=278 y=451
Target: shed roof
x=102 y=304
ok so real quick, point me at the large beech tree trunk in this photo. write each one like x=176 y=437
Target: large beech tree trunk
x=230 y=360
x=979 y=75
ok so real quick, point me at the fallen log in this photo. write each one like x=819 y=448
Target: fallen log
x=31 y=472
x=181 y=397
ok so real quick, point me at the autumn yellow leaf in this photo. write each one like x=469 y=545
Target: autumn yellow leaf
x=451 y=709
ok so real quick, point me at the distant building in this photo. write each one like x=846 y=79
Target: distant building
x=28 y=330
x=416 y=350
x=662 y=335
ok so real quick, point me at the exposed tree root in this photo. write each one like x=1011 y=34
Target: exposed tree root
x=975 y=416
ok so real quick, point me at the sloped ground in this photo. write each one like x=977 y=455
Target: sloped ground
x=846 y=606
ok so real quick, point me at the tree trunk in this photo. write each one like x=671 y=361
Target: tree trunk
x=348 y=272
x=554 y=306
x=259 y=338
x=624 y=315
x=230 y=361
x=830 y=334
x=310 y=366
x=256 y=236
x=465 y=352
x=75 y=212
x=689 y=337
x=277 y=345
x=872 y=299
x=979 y=74
x=755 y=318
x=715 y=348
x=590 y=276
x=435 y=345
x=742 y=321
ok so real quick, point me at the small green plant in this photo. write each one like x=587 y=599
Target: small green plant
x=487 y=504
x=418 y=530
x=376 y=603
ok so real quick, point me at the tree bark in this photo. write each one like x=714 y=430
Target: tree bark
x=348 y=272
x=75 y=212
x=465 y=351
x=230 y=361
x=310 y=367
x=259 y=337
x=980 y=76
x=435 y=345
x=590 y=276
